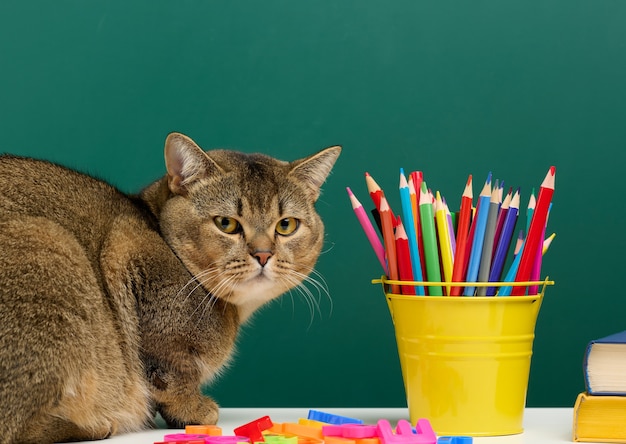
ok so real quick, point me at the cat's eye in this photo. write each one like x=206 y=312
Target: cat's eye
x=228 y=225
x=287 y=226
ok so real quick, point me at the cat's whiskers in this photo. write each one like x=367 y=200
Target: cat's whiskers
x=300 y=283
x=223 y=285
x=327 y=250
x=195 y=280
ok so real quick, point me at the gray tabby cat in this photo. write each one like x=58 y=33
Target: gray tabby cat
x=114 y=307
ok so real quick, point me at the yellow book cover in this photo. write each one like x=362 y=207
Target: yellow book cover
x=599 y=418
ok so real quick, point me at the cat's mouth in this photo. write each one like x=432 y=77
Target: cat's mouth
x=262 y=274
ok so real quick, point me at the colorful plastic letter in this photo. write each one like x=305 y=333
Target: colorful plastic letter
x=404 y=433
x=455 y=440
x=329 y=418
x=351 y=431
x=204 y=429
x=226 y=439
x=253 y=430
x=185 y=438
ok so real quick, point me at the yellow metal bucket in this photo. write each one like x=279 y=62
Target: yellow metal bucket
x=465 y=360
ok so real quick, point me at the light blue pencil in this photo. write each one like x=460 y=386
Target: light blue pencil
x=510 y=275
x=409 y=225
x=479 y=236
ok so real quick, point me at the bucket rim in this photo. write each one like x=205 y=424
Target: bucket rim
x=387 y=283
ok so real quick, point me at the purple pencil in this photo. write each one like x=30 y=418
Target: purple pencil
x=503 y=244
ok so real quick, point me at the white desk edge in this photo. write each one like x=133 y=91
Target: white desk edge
x=541 y=425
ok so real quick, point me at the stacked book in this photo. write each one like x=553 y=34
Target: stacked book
x=600 y=411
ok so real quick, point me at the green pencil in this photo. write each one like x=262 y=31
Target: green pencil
x=431 y=252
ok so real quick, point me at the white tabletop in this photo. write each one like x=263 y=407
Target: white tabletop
x=541 y=425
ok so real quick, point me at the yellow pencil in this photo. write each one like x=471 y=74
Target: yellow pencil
x=445 y=246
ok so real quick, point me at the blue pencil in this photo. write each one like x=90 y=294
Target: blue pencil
x=409 y=225
x=479 y=236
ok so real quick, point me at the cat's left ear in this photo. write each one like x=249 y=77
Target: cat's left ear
x=186 y=162
x=312 y=171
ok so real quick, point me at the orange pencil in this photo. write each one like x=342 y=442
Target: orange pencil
x=386 y=219
x=404 y=258
x=462 y=233
x=534 y=239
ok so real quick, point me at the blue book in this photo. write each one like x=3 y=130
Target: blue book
x=604 y=365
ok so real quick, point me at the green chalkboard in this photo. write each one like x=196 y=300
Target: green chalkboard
x=446 y=87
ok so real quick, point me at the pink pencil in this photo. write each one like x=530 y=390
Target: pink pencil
x=368 y=229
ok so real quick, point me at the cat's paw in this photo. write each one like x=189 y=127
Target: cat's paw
x=196 y=410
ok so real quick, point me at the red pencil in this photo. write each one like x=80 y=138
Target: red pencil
x=404 y=258
x=534 y=238
x=386 y=219
x=376 y=193
x=462 y=233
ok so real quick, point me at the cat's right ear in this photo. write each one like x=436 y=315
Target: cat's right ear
x=186 y=163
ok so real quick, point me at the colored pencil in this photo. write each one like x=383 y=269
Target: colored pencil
x=510 y=275
x=462 y=233
x=451 y=231
x=535 y=274
x=534 y=238
x=415 y=184
x=375 y=191
x=532 y=202
x=430 y=241
x=548 y=242
x=413 y=198
x=373 y=238
x=407 y=211
x=504 y=208
x=519 y=242
x=389 y=239
x=506 y=236
x=482 y=211
x=404 y=259
x=445 y=247
x=488 y=241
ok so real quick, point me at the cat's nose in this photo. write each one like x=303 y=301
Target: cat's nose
x=262 y=256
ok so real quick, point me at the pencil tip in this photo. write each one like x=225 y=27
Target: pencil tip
x=349 y=191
